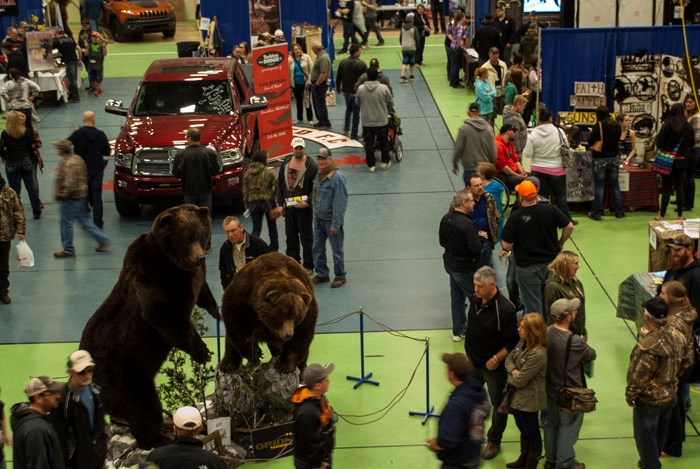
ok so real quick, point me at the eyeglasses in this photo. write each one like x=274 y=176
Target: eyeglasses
x=86 y=371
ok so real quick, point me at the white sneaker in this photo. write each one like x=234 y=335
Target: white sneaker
x=371 y=169
x=386 y=165
x=457 y=338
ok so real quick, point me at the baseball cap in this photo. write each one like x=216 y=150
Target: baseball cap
x=323 y=152
x=457 y=363
x=526 y=189
x=474 y=107
x=315 y=373
x=40 y=384
x=78 y=361
x=656 y=307
x=187 y=418
x=298 y=142
x=535 y=180
x=681 y=242
x=562 y=307
x=64 y=145
x=493 y=50
x=506 y=127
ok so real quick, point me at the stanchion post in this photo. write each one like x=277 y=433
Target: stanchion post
x=218 y=341
x=363 y=378
x=428 y=408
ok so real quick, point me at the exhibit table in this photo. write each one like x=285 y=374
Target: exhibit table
x=642 y=189
x=633 y=292
x=50 y=82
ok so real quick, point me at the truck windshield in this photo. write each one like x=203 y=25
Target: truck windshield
x=175 y=98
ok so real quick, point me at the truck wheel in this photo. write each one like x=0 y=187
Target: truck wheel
x=116 y=29
x=125 y=208
x=168 y=33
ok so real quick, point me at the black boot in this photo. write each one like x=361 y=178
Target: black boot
x=533 y=459
x=524 y=451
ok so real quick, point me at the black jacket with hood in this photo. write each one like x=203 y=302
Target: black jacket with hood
x=36 y=444
x=91 y=144
x=690 y=277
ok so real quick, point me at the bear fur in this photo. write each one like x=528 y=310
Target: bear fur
x=270 y=300
x=148 y=313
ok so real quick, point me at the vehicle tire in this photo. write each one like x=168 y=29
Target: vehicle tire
x=398 y=150
x=126 y=208
x=117 y=31
x=169 y=33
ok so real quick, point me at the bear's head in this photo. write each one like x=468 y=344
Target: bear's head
x=182 y=234
x=281 y=305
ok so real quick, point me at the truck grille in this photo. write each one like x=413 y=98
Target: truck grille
x=154 y=162
x=153 y=14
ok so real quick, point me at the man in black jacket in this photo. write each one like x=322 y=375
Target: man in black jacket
x=91 y=144
x=296 y=182
x=195 y=166
x=239 y=248
x=462 y=243
x=506 y=26
x=492 y=332
x=685 y=267
x=314 y=419
x=349 y=71
x=486 y=37
x=67 y=48
x=79 y=418
x=36 y=443
x=187 y=450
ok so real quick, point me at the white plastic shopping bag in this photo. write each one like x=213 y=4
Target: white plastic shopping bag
x=25 y=256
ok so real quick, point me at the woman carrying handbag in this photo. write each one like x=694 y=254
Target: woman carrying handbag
x=526 y=365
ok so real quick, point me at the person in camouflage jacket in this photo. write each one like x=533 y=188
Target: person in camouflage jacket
x=12 y=222
x=260 y=196
x=656 y=363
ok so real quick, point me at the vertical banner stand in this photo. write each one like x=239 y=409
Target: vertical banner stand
x=364 y=378
x=428 y=408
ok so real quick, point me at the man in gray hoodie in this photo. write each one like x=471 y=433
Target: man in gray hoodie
x=475 y=143
x=375 y=103
x=409 y=40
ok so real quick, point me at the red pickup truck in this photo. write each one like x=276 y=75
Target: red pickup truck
x=172 y=96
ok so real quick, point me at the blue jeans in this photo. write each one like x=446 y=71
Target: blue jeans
x=95 y=197
x=371 y=134
x=461 y=289
x=529 y=427
x=351 y=110
x=554 y=185
x=348 y=35
x=689 y=186
x=530 y=282
x=322 y=232
x=650 y=424
x=456 y=62
x=561 y=434
x=73 y=210
x=200 y=201
x=72 y=77
x=318 y=97
x=19 y=172
x=606 y=170
x=258 y=210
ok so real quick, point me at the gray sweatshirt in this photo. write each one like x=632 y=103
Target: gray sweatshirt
x=375 y=102
x=475 y=143
x=409 y=38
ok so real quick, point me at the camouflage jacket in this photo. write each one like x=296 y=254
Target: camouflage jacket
x=71 y=182
x=683 y=320
x=12 y=219
x=655 y=363
x=259 y=183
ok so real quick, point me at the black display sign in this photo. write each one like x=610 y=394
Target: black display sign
x=9 y=8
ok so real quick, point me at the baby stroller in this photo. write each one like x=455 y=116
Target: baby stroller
x=394 y=130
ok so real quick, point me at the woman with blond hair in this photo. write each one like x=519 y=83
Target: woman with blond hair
x=563 y=283
x=526 y=365
x=484 y=94
x=682 y=317
x=16 y=151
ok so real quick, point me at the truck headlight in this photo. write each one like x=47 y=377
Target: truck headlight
x=231 y=157
x=123 y=160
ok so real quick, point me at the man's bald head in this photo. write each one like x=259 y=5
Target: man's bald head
x=89 y=118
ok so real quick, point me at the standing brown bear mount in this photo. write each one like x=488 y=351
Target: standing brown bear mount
x=148 y=312
x=270 y=300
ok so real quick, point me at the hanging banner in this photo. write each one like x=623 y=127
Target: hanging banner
x=39 y=50
x=271 y=78
x=9 y=8
x=265 y=17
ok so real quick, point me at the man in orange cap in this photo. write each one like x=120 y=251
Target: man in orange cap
x=531 y=233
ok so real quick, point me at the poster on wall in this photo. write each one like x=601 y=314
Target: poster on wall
x=271 y=78
x=596 y=13
x=9 y=8
x=39 y=50
x=542 y=6
x=265 y=17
